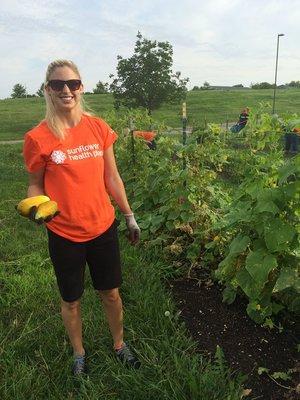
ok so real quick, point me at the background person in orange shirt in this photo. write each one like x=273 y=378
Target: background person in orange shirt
x=70 y=158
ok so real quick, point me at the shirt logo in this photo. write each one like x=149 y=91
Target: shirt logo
x=58 y=156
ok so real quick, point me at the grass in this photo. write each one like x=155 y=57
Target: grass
x=20 y=115
x=34 y=351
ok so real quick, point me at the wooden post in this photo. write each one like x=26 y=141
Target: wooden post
x=184 y=122
x=131 y=127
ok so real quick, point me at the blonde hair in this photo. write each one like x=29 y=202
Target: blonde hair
x=51 y=117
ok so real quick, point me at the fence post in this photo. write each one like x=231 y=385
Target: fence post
x=184 y=123
x=131 y=127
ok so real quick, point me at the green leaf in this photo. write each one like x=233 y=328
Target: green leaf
x=259 y=265
x=229 y=294
x=295 y=305
x=136 y=205
x=239 y=244
x=173 y=215
x=266 y=206
x=287 y=278
x=247 y=284
x=278 y=234
x=253 y=190
x=170 y=225
x=210 y=245
x=268 y=323
x=291 y=189
x=286 y=171
x=262 y=370
x=281 y=375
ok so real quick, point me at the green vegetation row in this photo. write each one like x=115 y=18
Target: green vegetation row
x=217 y=106
x=34 y=351
x=225 y=203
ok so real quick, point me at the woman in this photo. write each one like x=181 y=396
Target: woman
x=70 y=158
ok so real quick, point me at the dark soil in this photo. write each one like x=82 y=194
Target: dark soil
x=246 y=345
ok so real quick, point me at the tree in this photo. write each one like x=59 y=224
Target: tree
x=18 y=91
x=40 y=92
x=196 y=88
x=294 y=84
x=101 y=88
x=262 y=85
x=238 y=85
x=146 y=79
x=205 y=86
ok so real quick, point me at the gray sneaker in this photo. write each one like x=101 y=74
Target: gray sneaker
x=126 y=356
x=79 y=366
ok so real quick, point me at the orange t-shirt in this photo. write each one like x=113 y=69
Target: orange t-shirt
x=74 y=176
x=147 y=135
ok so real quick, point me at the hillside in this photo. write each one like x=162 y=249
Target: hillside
x=19 y=115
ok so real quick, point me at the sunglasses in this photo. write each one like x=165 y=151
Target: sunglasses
x=58 y=85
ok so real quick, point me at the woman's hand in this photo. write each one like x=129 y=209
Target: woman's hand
x=134 y=231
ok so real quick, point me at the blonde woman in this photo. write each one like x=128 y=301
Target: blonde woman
x=70 y=158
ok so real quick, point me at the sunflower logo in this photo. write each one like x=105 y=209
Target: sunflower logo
x=58 y=156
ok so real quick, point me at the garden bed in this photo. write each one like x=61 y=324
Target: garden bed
x=246 y=345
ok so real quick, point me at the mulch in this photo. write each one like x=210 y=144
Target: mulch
x=246 y=345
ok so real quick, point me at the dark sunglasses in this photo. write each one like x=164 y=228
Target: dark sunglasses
x=58 y=85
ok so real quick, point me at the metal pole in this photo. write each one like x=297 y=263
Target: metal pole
x=276 y=65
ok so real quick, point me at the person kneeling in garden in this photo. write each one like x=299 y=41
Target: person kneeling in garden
x=242 y=122
x=292 y=136
x=70 y=158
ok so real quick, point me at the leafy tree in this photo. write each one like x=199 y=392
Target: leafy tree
x=262 y=85
x=40 y=92
x=146 y=79
x=101 y=88
x=205 y=86
x=18 y=91
x=238 y=85
x=294 y=84
x=196 y=88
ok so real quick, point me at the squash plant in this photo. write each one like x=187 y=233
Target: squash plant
x=263 y=256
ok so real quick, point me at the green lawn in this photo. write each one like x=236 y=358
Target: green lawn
x=19 y=115
x=35 y=356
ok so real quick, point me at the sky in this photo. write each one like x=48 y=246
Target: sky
x=223 y=42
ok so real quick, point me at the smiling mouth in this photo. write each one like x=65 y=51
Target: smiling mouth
x=66 y=97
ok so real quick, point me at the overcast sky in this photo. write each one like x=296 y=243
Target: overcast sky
x=224 y=42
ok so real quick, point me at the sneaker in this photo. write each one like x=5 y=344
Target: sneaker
x=79 y=366
x=127 y=358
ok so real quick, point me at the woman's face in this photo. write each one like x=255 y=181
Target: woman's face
x=64 y=99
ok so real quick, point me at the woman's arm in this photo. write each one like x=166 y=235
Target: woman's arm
x=113 y=181
x=36 y=183
x=115 y=188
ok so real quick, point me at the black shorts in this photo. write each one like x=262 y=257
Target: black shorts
x=69 y=259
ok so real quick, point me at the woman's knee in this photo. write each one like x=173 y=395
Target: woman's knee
x=110 y=296
x=71 y=306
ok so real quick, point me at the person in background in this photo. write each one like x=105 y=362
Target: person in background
x=70 y=158
x=292 y=136
x=242 y=122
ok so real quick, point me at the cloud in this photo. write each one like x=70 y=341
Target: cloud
x=221 y=41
